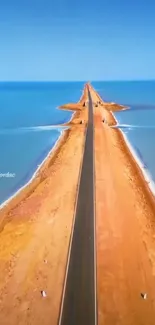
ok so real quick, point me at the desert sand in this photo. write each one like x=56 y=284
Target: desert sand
x=125 y=228
x=35 y=232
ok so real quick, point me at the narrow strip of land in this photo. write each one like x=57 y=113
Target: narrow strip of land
x=79 y=300
x=35 y=231
x=125 y=230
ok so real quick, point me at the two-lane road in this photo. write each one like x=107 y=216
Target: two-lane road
x=78 y=305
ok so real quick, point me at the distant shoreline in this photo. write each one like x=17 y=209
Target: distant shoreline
x=143 y=175
x=38 y=176
x=49 y=155
x=3 y=204
x=145 y=171
x=139 y=162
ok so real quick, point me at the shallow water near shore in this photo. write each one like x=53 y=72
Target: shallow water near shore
x=138 y=122
x=29 y=121
x=29 y=128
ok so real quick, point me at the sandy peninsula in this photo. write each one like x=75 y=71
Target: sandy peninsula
x=125 y=229
x=35 y=229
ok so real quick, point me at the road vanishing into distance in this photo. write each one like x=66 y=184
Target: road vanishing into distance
x=78 y=306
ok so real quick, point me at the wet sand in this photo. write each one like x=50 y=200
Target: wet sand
x=35 y=231
x=125 y=226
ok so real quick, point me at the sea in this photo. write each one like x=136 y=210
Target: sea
x=30 y=125
x=137 y=123
x=29 y=128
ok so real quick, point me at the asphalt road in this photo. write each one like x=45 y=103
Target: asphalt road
x=79 y=299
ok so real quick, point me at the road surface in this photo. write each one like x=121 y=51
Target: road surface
x=79 y=298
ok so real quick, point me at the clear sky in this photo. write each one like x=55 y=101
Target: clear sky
x=77 y=39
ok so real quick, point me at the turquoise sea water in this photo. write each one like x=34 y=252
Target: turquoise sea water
x=29 y=119
x=28 y=112
x=137 y=93
x=137 y=123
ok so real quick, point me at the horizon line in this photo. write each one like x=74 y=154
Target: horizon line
x=99 y=80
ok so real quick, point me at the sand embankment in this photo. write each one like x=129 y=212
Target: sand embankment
x=109 y=106
x=35 y=231
x=125 y=228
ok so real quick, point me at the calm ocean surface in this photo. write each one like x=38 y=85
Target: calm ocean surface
x=27 y=111
x=137 y=123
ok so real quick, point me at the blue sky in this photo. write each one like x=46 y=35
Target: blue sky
x=77 y=40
